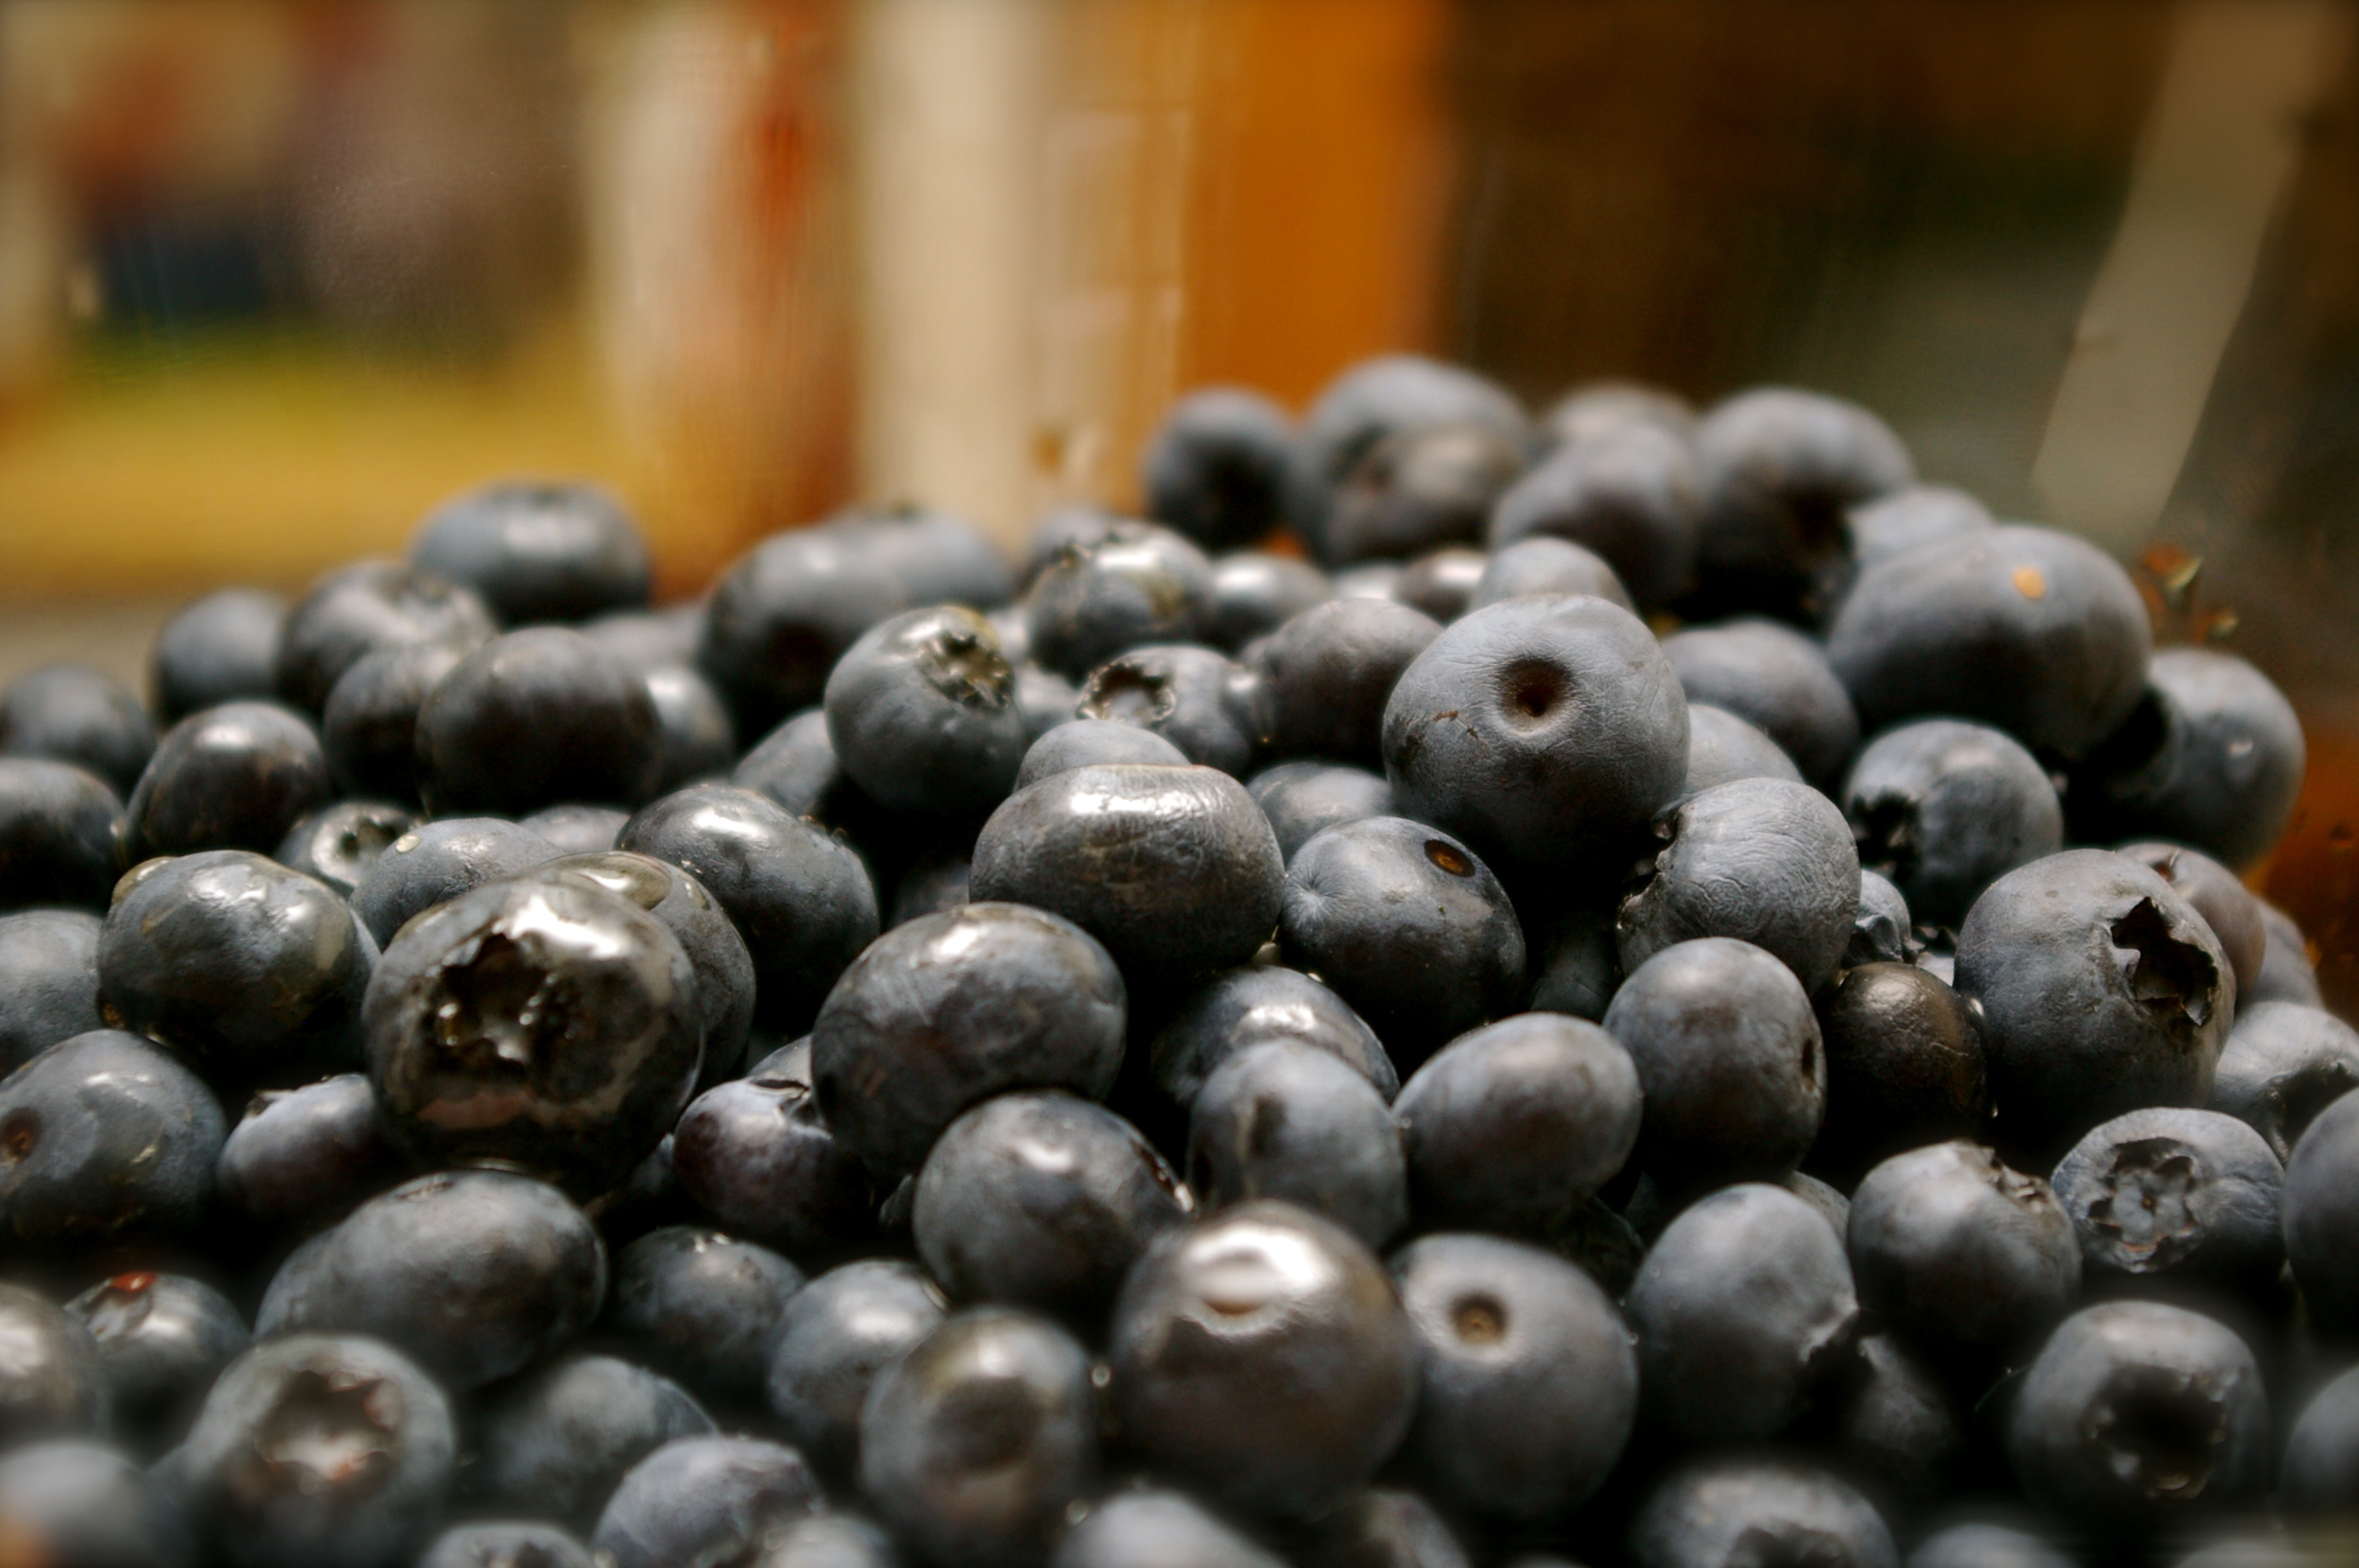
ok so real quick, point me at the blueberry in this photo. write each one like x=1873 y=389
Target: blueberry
x=1039 y=1199
x=1325 y=676
x=650 y=640
x=302 y=1159
x=1079 y=523
x=2171 y=1195
x=360 y=608
x=796 y=766
x=577 y=829
x=255 y=970
x=1377 y=399
x=2136 y=1415
x=1545 y=564
x=1945 y=809
x=1174 y=870
x=1977 y=1545
x=1730 y=1062
x=1528 y=1386
x=1777 y=680
x=221 y=648
x=1238 y=1009
x=369 y=728
x=71 y=713
x=162 y=1338
x=2101 y=992
x=801 y=898
x=1195 y=698
x=1571 y=962
x=2283 y=1064
x=922 y=714
x=838 y=1333
x=1898 y=1427
x=319 y=1448
x=1905 y=1067
x=79 y=1505
x=1356 y=915
x=1762 y=860
x=938 y=559
x=1370 y=579
x=1441 y=582
x=48 y=981
x=1882 y=932
x=725 y=969
x=1147 y=1528
x=549 y=1025
x=1513 y=1127
x=1215 y=469
x=2032 y=632
x=1287 y=1121
x=1594 y=409
x=1630 y=493
x=1548 y=730
x=62 y=835
x=1383 y=1527
x=2321 y=1206
x=703 y=1499
x=595 y=736
x=436 y=863
x=973 y=1445
x=1720 y=1513
x=476 y=1273
x=503 y=1543
x=1132 y=585
x=1779 y=468
x=556 y=1441
x=1265 y=1354
x=1304 y=799
x=2212 y=891
x=698 y=737
x=2287 y=973
x=234 y=777
x=53 y=1383
x=1723 y=748
x=1743 y=1311
x=2212 y=757
x=781 y=615
x=2320 y=1475
x=1912 y=517
x=1966 y=1259
x=933 y=883
x=1254 y=594
x=1089 y=741
x=104 y=1137
x=755 y=1154
x=538 y=550
x=704 y=1305
x=339 y=844
x=827 y=1541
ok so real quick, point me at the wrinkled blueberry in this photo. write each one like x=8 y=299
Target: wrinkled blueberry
x=538 y=550
x=1945 y=809
x=2283 y=1064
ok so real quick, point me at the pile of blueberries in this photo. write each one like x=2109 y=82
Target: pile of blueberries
x=1594 y=1023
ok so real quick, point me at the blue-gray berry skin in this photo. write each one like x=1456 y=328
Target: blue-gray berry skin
x=1730 y=1060
x=2139 y=1416
x=1155 y=1528
x=105 y=1139
x=218 y=649
x=1325 y=676
x=1303 y=799
x=2170 y=1196
x=973 y=1445
x=2101 y=992
x=1287 y=1121
x=595 y=736
x=1763 y=860
x=319 y=1448
x=301 y=1159
x=1254 y=594
x=1631 y=493
x=1723 y=748
x=1544 y=731
x=782 y=615
x=1409 y=926
x=704 y=1500
x=63 y=836
x=922 y=714
x=1741 y=1310
x=1978 y=1545
x=1132 y=585
x=369 y=728
x=338 y=844
x=1910 y=518
x=2321 y=1205
x=2212 y=757
x=54 y=1383
x=1089 y=740
x=2225 y=905
x=1194 y=696
x=2288 y=972
x=1967 y=1260
x=232 y=777
x=1905 y=1067
x=755 y=1154
x=1043 y=1200
x=2283 y=1064
x=499 y=1542
x=939 y=557
x=1413 y=495
x=1528 y=1380
x=2321 y=1474
x=951 y=1009
x=2033 y=632
x=48 y=981
x=538 y=550
x=1174 y=870
x=1542 y=564
x=557 y=1440
x=436 y=861
x=71 y=713
x=74 y=1504
x=1263 y=1353
x=1883 y=931
x=1945 y=809
x=1375 y=399
x=1726 y=1511
x=1772 y=676
x=702 y=1306
x=1238 y=1009
x=162 y=1339
x=356 y=610
x=1512 y=1127
x=838 y=1333
x=1215 y=470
